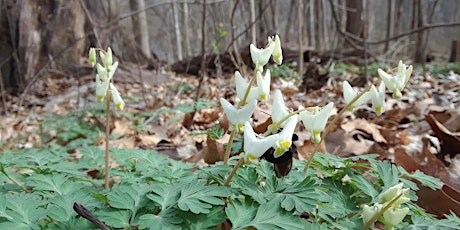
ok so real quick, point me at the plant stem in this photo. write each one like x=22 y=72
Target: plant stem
x=229 y=147
x=238 y=164
x=2 y=169
x=107 y=133
x=329 y=127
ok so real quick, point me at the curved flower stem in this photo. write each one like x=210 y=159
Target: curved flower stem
x=243 y=102
x=3 y=171
x=275 y=127
x=380 y=213
x=330 y=125
x=230 y=177
x=107 y=133
x=229 y=147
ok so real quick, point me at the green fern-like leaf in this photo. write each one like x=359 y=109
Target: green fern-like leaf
x=199 y=198
x=165 y=220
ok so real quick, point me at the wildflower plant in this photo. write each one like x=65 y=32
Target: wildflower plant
x=105 y=89
x=43 y=189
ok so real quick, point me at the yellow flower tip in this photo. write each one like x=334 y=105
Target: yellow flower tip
x=379 y=110
x=92 y=56
x=316 y=136
x=263 y=97
x=120 y=106
x=240 y=128
x=100 y=98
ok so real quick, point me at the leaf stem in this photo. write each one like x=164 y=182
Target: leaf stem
x=330 y=125
x=230 y=177
x=107 y=133
x=2 y=169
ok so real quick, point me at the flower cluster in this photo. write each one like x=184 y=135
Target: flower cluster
x=394 y=214
x=104 y=75
x=256 y=145
x=395 y=84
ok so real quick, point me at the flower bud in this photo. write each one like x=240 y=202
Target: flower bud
x=92 y=57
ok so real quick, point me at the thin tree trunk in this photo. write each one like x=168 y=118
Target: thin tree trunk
x=177 y=31
x=140 y=27
x=300 y=34
x=186 y=31
x=252 y=14
x=311 y=25
x=289 y=21
x=390 y=20
x=354 y=19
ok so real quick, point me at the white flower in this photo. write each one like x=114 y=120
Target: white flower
x=101 y=88
x=263 y=84
x=112 y=69
x=241 y=87
x=370 y=211
x=255 y=147
x=106 y=58
x=92 y=56
x=393 y=192
x=396 y=83
x=349 y=94
x=117 y=100
x=237 y=117
x=378 y=99
x=285 y=137
x=102 y=72
x=393 y=216
x=260 y=57
x=279 y=110
x=315 y=121
x=277 y=52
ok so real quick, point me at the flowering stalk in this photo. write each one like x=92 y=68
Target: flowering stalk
x=107 y=131
x=105 y=90
x=329 y=127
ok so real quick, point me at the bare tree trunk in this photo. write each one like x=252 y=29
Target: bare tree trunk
x=390 y=20
x=186 y=31
x=311 y=25
x=420 y=35
x=177 y=31
x=289 y=21
x=140 y=27
x=354 y=19
x=300 y=35
x=274 y=16
x=252 y=14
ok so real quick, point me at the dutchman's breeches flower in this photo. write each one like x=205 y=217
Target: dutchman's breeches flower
x=260 y=57
x=279 y=109
x=237 y=117
x=396 y=83
x=349 y=94
x=255 y=147
x=315 y=121
x=104 y=75
x=263 y=84
x=378 y=99
x=241 y=87
x=277 y=52
x=285 y=137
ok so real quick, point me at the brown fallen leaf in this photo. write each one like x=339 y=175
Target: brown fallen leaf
x=450 y=142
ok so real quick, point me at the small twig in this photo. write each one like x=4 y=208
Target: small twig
x=85 y=213
x=229 y=147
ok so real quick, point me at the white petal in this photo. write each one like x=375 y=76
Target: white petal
x=112 y=70
x=322 y=116
x=246 y=111
x=102 y=72
x=348 y=92
x=117 y=100
x=279 y=110
x=255 y=146
x=230 y=111
x=241 y=87
x=263 y=84
x=289 y=128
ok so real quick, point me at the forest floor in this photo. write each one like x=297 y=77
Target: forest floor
x=419 y=132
